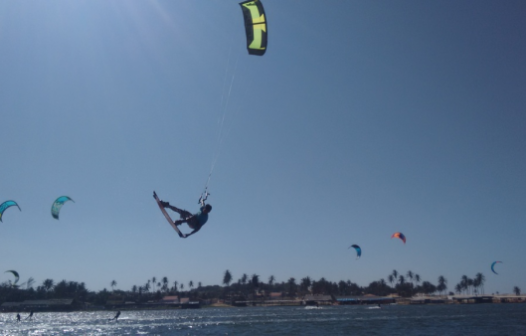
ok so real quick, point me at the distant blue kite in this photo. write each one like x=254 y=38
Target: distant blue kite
x=493 y=266
x=5 y=205
x=358 y=250
x=59 y=202
x=15 y=273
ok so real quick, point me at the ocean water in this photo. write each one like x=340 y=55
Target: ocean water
x=483 y=319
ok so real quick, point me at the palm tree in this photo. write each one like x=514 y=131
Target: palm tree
x=342 y=287
x=271 y=280
x=165 y=284
x=383 y=284
x=191 y=284
x=417 y=279
x=464 y=283
x=175 y=286
x=390 y=278
x=305 y=284
x=401 y=279
x=480 y=280
x=227 y=278
x=255 y=280
x=30 y=282
x=113 y=284
x=442 y=284
x=458 y=288
x=517 y=290
x=410 y=276
x=470 y=284
x=48 y=284
x=244 y=279
x=476 y=285
x=395 y=274
x=291 y=284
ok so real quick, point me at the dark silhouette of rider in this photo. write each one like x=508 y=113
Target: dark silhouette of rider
x=194 y=221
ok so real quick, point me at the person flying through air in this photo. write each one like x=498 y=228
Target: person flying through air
x=194 y=221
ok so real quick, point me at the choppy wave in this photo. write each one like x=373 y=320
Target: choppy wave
x=489 y=319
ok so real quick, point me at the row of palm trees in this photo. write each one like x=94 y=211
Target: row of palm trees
x=396 y=277
x=407 y=284
x=471 y=286
x=323 y=286
x=414 y=278
x=163 y=286
x=410 y=284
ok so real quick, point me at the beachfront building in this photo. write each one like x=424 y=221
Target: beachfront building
x=503 y=298
x=428 y=300
x=318 y=299
x=510 y=298
x=275 y=296
x=170 y=300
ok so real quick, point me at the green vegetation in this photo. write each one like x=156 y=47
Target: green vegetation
x=249 y=287
x=471 y=286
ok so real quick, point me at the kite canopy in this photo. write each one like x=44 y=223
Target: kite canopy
x=5 y=205
x=358 y=250
x=399 y=235
x=255 y=26
x=59 y=202
x=493 y=266
x=15 y=273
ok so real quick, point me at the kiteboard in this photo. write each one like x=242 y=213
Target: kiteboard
x=166 y=215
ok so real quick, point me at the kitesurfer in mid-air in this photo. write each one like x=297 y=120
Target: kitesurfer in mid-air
x=194 y=221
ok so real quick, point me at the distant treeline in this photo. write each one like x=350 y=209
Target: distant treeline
x=250 y=287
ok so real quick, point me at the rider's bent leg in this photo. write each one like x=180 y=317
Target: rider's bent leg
x=182 y=213
x=179 y=222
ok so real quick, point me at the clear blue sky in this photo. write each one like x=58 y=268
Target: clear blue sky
x=363 y=118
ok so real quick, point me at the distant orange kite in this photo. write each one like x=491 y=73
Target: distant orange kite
x=399 y=235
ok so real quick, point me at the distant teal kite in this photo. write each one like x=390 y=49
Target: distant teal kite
x=5 y=205
x=15 y=273
x=59 y=202
x=493 y=266
x=358 y=250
